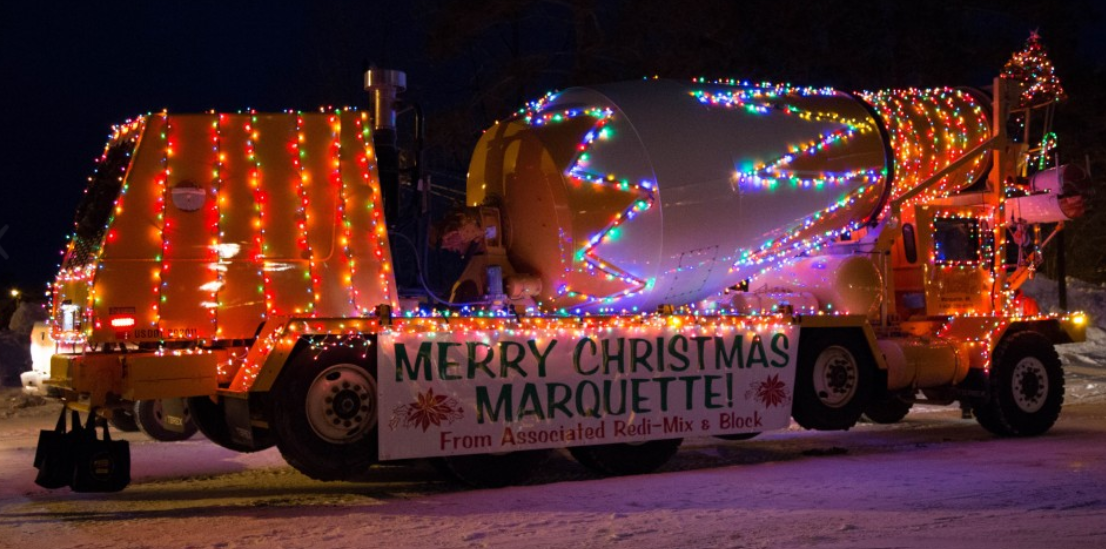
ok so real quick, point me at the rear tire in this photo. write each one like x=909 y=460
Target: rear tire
x=887 y=409
x=324 y=413
x=210 y=418
x=493 y=470
x=833 y=381
x=1025 y=387
x=626 y=458
x=123 y=420
x=152 y=421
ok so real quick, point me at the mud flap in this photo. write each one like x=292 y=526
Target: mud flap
x=172 y=409
x=238 y=421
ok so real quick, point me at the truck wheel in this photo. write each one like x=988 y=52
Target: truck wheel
x=210 y=418
x=1025 y=387
x=493 y=470
x=833 y=381
x=888 y=409
x=626 y=458
x=150 y=418
x=324 y=414
x=123 y=420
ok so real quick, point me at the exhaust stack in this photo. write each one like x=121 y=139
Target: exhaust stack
x=385 y=85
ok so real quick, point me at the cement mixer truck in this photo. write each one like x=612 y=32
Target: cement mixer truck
x=647 y=261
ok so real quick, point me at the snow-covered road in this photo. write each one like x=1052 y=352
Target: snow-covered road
x=934 y=480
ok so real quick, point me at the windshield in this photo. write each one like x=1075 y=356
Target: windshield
x=956 y=240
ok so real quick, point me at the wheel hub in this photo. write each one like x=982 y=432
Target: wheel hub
x=838 y=377
x=835 y=375
x=346 y=404
x=341 y=404
x=1030 y=384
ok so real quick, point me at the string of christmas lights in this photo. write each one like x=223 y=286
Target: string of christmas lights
x=587 y=255
x=929 y=130
x=162 y=220
x=260 y=247
x=221 y=203
x=301 y=182
x=215 y=223
x=343 y=197
x=761 y=101
x=767 y=90
x=375 y=209
x=803 y=238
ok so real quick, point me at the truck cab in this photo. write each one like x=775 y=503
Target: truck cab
x=944 y=264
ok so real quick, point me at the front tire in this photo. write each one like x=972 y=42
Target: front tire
x=833 y=381
x=1025 y=387
x=626 y=458
x=324 y=413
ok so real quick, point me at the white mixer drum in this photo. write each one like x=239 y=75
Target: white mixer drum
x=628 y=196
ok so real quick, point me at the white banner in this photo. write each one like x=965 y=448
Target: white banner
x=488 y=391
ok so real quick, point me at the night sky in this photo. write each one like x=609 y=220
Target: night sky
x=72 y=69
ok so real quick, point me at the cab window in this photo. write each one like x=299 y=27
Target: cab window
x=956 y=240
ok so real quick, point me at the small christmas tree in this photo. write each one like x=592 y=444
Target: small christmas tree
x=1033 y=69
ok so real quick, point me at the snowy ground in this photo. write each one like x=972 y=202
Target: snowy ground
x=934 y=480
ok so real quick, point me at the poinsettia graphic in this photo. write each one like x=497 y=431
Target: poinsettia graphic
x=428 y=409
x=770 y=392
